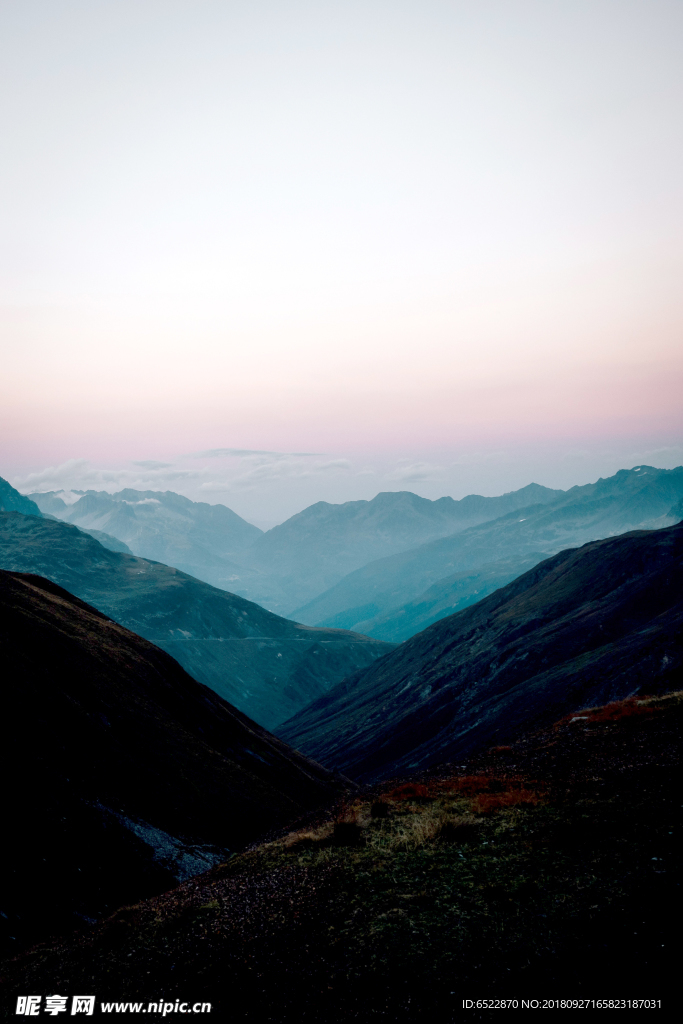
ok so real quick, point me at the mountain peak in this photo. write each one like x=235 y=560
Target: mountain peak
x=12 y=501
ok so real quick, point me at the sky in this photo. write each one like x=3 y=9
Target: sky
x=269 y=253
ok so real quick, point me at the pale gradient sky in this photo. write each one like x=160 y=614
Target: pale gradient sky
x=443 y=235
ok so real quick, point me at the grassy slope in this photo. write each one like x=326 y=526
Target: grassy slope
x=543 y=869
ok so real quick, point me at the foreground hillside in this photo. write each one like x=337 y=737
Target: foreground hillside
x=591 y=624
x=373 y=598
x=122 y=774
x=543 y=870
x=265 y=665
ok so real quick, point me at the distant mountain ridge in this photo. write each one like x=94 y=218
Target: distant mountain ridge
x=367 y=565
x=589 y=625
x=122 y=774
x=294 y=561
x=381 y=591
x=193 y=536
x=318 y=546
x=265 y=665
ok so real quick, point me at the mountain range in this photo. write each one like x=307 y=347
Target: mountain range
x=122 y=775
x=295 y=561
x=370 y=566
x=265 y=665
x=319 y=546
x=125 y=776
x=199 y=538
x=373 y=598
x=589 y=625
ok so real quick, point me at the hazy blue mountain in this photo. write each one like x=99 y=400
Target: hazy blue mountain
x=107 y=541
x=127 y=776
x=641 y=498
x=291 y=563
x=317 y=547
x=12 y=501
x=199 y=538
x=587 y=626
x=446 y=597
x=265 y=665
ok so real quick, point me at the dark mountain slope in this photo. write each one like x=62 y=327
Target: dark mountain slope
x=121 y=773
x=255 y=659
x=12 y=501
x=589 y=625
x=199 y=538
x=549 y=868
x=640 y=498
x=314 y=549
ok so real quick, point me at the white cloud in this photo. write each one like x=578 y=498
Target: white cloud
x=414 y=472
x=151 y=464
x=242 y=453
x=78 y=474
x=261 y=470
x=226 y=453
x=54 y=478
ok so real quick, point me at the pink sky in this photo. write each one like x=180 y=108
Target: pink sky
x=396 y=235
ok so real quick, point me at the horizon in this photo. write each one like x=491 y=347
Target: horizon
x=74 y=493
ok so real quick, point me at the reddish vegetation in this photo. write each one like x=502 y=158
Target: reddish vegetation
x=468 y=785
x=487 y=803
x=410 y=791
x=608 y=713
x=490 y=793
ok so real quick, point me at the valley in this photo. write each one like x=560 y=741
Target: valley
x=487 y=792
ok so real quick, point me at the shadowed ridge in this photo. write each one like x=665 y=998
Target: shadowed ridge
x=264 y=664
x=123 y=774
x=590 y=624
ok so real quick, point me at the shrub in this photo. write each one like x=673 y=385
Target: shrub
x=487 y=803
x=347 y=833
x=410 y=791
x=459 y=832
x=468 y=785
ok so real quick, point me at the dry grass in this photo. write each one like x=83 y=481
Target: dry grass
x=412 y=816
